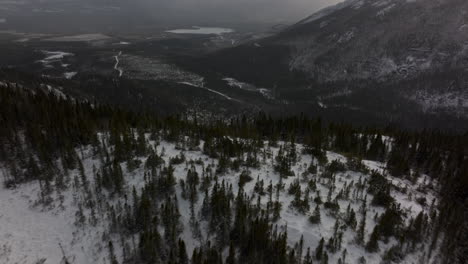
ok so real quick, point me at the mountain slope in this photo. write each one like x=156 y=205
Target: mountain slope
x=86 y=183
x=378 y=57
x=380 y=38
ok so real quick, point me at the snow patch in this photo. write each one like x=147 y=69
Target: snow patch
x=381 y=3
x=248 y=87
x=28 y=234
x=322 y=105
x=211 y=90
x=69 y=75
x=53 y=56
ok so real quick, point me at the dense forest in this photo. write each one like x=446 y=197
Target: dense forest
x=236 y=181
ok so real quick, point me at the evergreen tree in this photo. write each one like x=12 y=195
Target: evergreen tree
x=319 y=249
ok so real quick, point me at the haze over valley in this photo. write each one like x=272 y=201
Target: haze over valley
x=246 y=131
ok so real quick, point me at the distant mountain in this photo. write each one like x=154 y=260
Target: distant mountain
x=380 y=38
x=371 y=55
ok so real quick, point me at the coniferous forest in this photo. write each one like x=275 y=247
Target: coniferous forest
x=233 y=132
x=136 y=187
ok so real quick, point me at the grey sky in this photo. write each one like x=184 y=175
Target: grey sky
x=242 y=10
x=91 y=15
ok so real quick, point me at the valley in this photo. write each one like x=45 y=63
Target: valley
x=234 y=132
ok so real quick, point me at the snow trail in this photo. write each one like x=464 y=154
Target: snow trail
x=211 y=90
x=116 y=65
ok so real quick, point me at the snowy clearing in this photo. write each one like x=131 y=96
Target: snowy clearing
x=33 y=233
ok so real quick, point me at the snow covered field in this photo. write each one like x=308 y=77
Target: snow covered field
x=53 y=56
x=32 y=233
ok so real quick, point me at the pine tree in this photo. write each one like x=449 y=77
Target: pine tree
x=361 y=230
x=112 y=257
x=373 y=243
x=182 y=258
x=319 y=249
x=231 y=259
x=308 y=258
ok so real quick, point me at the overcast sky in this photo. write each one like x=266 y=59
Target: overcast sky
x=92 y=15
x=241 y=10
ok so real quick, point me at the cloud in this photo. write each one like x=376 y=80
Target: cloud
x=236 y=10
x=96 y=15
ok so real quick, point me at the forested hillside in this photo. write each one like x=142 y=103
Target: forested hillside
x=85 y=182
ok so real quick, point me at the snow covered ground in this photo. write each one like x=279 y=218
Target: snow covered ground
x=31 y=233
x=248 y=87
x=69 y=75
x=53 y=56
x=211 y=90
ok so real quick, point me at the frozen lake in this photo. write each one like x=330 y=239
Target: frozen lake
x=202 y=30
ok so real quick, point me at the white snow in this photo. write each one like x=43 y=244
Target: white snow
x=266 y=93
x=380 y=3
x=53 y=56
x=322 y=105
x=234 y=83
x=69 y=75
x=248 y=87
x=116 y=65
x=211 y=90
x=26 y=232
x=29 y=233
x=56 y=91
